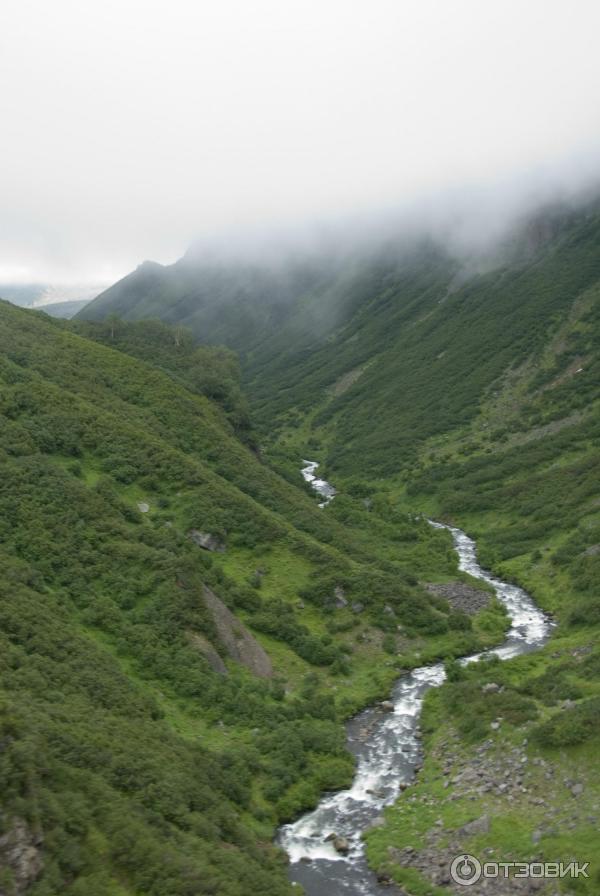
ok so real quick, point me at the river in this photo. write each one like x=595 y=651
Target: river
x=388 y=757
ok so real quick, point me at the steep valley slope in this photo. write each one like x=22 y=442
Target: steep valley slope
x=472 y=395
x=183 y=631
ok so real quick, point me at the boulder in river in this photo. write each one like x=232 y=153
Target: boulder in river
x=341 y=845
x=387 y=706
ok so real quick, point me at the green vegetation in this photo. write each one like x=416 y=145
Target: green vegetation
x=375 y=357
x=131 y=763
x=424 y=388
x=539 y=779
x=211 y=371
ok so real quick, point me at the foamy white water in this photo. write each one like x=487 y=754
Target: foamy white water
x=321 y=486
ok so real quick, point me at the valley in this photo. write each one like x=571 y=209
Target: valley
x=187 y=629
x=300 y=448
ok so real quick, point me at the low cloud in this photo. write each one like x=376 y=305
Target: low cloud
x=132 y=128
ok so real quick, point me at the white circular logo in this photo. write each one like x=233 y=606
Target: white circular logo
x=465 y=870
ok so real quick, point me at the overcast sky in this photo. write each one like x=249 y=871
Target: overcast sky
x=131 y=128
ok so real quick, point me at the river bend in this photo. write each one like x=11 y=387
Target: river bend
x=388 y=756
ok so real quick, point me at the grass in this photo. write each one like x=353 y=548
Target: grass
x=568 y=832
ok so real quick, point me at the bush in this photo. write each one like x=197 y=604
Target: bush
x=571 y=726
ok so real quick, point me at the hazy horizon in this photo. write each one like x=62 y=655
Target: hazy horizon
x=132 y=130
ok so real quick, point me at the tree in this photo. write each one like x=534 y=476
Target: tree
x=113 y=320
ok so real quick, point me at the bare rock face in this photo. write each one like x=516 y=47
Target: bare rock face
x=206 y=541
x=208 y=651
x=337 y=600
x=21 y=856
x=340 y=597
x=461 y=596
x=237 y=640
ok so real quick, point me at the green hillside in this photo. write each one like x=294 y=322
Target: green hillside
x=471 y=392
x=384 y=348
x=163 y=707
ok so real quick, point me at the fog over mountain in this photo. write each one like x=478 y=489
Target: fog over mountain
x=134 y=128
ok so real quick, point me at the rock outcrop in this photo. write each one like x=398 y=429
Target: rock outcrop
x=20 y=856
x=206 y=541
x=202 y=644
x=337 y=600
x=240 y=645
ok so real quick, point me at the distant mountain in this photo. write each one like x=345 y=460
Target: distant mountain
x=63 y=309
x=235 y=303
x=23 y=294
x=38 y=295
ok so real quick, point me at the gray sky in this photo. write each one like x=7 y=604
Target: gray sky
x=131 y=128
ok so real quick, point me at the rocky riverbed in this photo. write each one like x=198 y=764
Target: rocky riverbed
x=495 y=781
x=461 y=596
